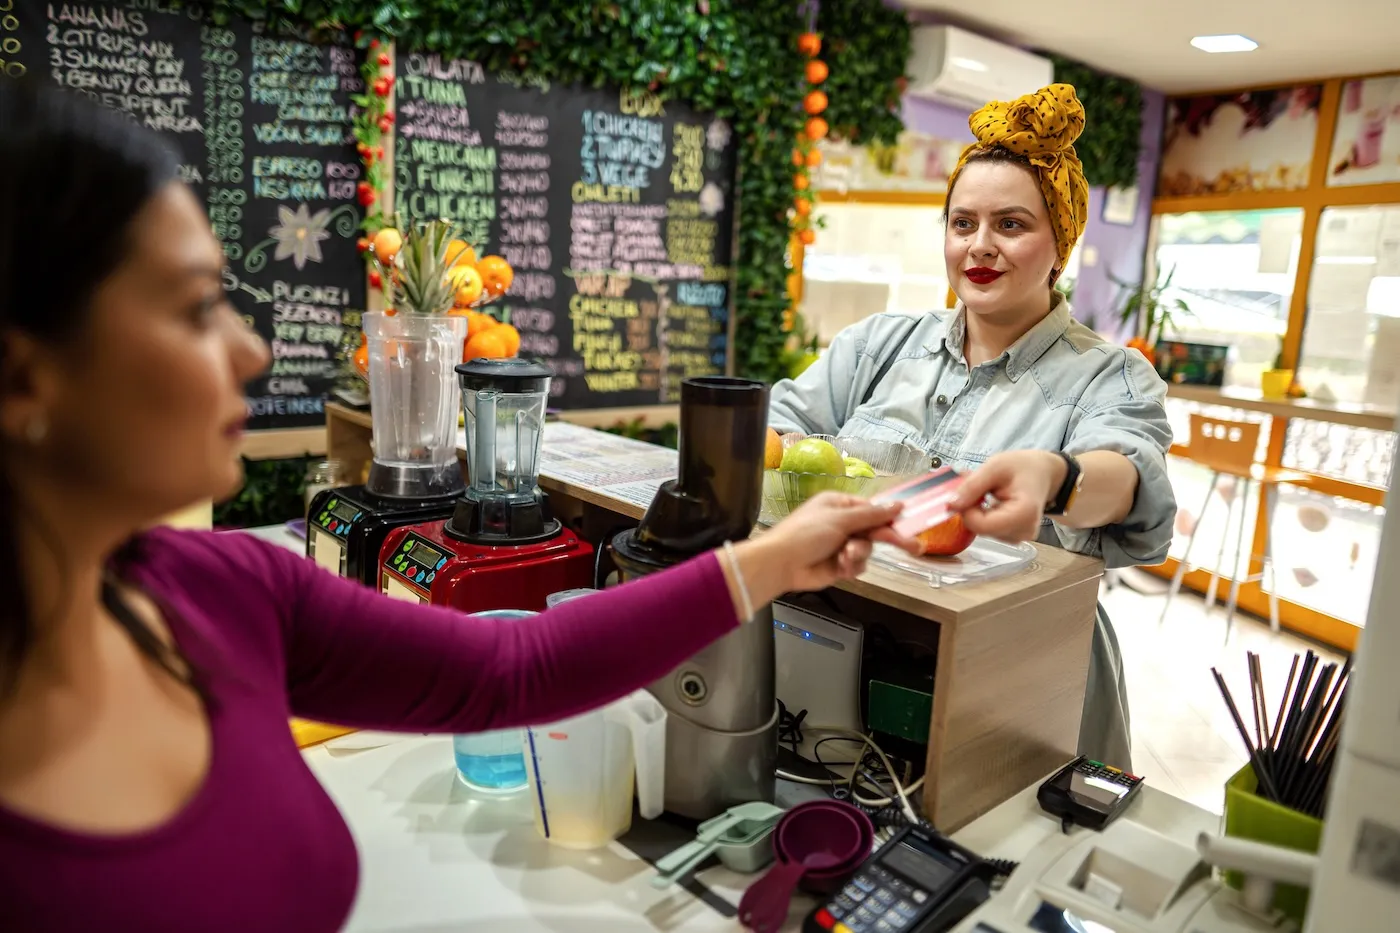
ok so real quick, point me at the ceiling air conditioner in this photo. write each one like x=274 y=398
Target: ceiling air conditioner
x=962 y=68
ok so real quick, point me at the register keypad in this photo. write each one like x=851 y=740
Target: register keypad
x=875 y=901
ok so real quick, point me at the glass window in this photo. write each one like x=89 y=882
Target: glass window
x=1359 y=455
x=1325 y=551
x=1235 y=271
x=1351 y=341
x=871 y=258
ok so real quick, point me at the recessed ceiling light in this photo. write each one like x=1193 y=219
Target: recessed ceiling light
x=1231 y=43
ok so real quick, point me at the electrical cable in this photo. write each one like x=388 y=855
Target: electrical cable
x=900 y=795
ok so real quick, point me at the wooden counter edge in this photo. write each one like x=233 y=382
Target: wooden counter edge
x=1355 y=416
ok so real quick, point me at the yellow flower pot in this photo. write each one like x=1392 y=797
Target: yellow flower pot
x=1275 y=382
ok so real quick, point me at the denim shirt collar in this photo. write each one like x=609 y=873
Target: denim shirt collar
x=1022 y=354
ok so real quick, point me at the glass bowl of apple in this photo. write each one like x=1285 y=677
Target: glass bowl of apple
x=800 y=466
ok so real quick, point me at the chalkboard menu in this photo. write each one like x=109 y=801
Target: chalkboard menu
x=616 y=211
x=262 y=124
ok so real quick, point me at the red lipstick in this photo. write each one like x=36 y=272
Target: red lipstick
x=981 y=275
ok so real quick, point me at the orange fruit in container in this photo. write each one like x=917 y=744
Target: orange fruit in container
x=946 y=539
x=460 y=253
x=478 y=322
x=467 y=281
x=486 y=345
x=510 y=336
x=387 y=243
x=496 y=275
x=773 y=451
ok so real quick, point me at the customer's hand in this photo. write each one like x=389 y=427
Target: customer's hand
x=1020 y=484
x=826 y=539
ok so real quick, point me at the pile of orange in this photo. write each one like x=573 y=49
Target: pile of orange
x=489 y=339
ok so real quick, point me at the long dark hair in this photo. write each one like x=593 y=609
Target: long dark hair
x=73 y=176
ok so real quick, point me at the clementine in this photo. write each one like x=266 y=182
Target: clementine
x=496 y=275
x=815 y=102
x=817 y=71
x=798 y=160
x=387 y=243
x=460 y=253
x=486 y=345
x=361 y=361
x=817 y=129
x=808 y=237
x=801 y=182
x=803 y=207
x=814 y=158
x=809 y=44
x=510 y=335
x=773 y=451
x=478 y=322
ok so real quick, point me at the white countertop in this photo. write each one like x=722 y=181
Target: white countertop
x=437 y=859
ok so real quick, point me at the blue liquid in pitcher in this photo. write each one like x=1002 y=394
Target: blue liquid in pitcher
x=493 y=762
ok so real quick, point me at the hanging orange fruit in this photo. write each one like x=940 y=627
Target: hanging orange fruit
x=800 y=182
x=798 y=159
x=809 y=44
x=814 y=158
x=815 y=102
x=496 y=275
x=460 y=253
x=817 y=129
x=808 y=237
x=802 y=206
x=817 y=71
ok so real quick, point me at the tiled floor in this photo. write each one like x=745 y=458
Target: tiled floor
x=1184 y=740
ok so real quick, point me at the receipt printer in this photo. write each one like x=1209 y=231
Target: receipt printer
x=1126 y=879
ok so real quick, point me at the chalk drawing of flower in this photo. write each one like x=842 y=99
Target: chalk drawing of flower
x=711 y=199
x=717 y=136
x=299 y=234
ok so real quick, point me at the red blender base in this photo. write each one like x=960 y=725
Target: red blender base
x=425 y=563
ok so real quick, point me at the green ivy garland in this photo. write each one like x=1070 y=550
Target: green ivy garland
x=867 y=49
x=1112 y=137
x=738 y=59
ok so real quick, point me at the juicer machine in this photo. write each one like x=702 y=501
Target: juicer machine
x=721 y=704
x=500 y=548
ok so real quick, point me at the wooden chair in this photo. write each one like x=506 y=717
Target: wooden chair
x=1227 y=448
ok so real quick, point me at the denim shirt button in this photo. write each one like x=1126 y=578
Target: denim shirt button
x=943 y=400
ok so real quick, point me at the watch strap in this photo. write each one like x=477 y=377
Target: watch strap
x=1060 y=502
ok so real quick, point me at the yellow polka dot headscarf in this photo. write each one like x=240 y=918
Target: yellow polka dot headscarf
x=1042 y=127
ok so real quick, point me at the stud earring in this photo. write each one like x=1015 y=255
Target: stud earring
x=36 y=430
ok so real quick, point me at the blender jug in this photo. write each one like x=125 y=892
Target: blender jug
x=411 y=357
x=503 y=404
x=582 y=770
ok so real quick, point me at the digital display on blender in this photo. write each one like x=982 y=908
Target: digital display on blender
x=425 y=555
x=345 y=511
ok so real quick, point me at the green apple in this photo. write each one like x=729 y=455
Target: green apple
x=814 y=455
x=858 y=468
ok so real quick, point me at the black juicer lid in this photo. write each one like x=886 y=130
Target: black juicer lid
x=512 y=375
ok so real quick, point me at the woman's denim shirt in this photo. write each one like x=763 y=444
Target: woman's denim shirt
x=1060 y=387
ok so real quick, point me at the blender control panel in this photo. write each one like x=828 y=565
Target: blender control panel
x=338 y=516
x=418 y=561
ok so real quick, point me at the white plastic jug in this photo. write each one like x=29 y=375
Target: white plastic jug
x=582 y=769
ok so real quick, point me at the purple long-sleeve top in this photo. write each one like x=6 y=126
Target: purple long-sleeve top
x=260 y=846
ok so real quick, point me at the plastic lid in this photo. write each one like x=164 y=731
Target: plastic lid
x=508 y=375
x=563 y=596
x=502 y=614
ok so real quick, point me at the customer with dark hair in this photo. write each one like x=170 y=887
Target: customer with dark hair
x=148 y=779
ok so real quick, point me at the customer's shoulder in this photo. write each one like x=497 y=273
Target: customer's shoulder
x=1106 y=367
x=882 y=333
x=208 y=556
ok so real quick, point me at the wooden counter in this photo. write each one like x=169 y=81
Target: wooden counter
x=1357 y=416
x=1013 y=653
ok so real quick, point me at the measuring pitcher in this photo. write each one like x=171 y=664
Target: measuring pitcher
x=582 y=771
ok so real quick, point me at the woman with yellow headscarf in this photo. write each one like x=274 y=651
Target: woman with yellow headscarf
x=1063 y=436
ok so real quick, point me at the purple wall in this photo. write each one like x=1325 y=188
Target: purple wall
x=1105 y=249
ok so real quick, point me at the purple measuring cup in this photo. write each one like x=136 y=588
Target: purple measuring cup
x=823 y=839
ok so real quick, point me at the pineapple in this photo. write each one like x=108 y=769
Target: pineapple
x=418 y=282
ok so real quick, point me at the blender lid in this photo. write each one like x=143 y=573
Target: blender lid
x=508 y=375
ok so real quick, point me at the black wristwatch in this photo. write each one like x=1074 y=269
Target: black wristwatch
x=1063 y=499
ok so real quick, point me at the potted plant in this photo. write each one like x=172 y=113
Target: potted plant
x=1277 y=382
x=1150 y=311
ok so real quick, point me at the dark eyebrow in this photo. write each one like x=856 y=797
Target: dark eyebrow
x=1005 y=211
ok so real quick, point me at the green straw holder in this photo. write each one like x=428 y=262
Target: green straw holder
x=1249 y=816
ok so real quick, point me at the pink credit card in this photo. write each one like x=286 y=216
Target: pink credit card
x=925 y=501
